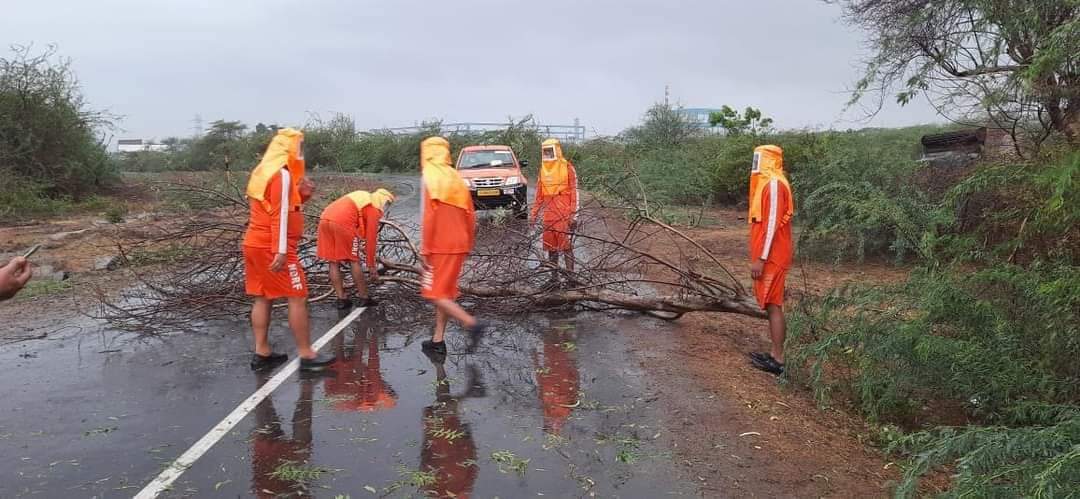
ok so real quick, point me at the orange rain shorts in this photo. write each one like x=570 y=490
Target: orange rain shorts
x=337 y=243
x=259 y=281
x=556 y=240
x=769 y=290
x=440 y=281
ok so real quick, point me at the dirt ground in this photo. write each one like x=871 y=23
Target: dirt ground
x=806 y=451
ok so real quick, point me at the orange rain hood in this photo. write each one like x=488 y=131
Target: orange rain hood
x=768 y=165
x=286 y=149
x=379 y=199
x=441 y=180
x=554 y=174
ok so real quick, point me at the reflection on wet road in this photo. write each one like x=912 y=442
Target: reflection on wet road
x=557 y=377
x=272 y=448
x=544 y=406
x=448 y=452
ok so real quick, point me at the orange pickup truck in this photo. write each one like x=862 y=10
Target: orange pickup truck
x=495 y=178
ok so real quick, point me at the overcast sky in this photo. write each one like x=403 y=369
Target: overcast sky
x=158 y=63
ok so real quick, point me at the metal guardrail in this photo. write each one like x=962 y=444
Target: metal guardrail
x=571 y=133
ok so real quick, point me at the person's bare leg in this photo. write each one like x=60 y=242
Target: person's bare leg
x=359 y=279
x=440 y=325
x=260 y=325
x=336 y=280
x=298 y=322
x=777 y=331
x=453 y=310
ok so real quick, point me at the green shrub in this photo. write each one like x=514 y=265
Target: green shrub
x=49 y=138
x=996 y=347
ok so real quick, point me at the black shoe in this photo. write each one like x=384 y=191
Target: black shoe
x=260 y=362
x=365 y=302
x=432 y=346
x=343 y=303
x=475 y=333
x=767 y=363
x=435 y=352
x=319 y=363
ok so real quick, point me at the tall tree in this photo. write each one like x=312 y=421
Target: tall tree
x=1012 y=63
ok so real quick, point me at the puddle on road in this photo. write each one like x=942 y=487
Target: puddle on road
x=552 y=409
x=521 y=417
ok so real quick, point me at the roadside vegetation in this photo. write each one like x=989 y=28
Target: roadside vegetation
x=52 y=151
x=969 y=367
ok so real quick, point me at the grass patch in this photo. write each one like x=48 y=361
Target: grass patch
x=37 y=289
x=508 y=462
x=172 y=254
x=414 y=479
x=291 y=471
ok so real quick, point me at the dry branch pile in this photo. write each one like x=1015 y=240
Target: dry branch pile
x=617 y=267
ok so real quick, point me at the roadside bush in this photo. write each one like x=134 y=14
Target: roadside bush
x=951 y=346
x=49 y=144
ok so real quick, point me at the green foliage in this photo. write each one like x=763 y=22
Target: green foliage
x=49 y=148
x=1010 y=62
x=663 y=127
x=35 y=289
x=334 y=144
x=751 y=121
x=291 y=471
x=998 y=461
x=995 y=347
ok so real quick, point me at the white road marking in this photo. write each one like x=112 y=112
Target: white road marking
x=164 y=480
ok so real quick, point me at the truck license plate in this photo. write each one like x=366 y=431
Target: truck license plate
x=487 y=192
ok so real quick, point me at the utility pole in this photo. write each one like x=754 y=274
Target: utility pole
x=667 y=95
x=197 y=126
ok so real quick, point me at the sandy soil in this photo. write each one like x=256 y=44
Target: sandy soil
x=728 y=417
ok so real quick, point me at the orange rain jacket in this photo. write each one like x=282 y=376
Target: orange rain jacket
x=448 y=218
x=276 y=222
x=556 y=196
x=770 y=213
x=359 y=212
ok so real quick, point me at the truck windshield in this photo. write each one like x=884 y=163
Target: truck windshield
x=486 y=159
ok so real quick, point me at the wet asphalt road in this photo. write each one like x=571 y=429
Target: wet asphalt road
x=553 y=408
x=548 y=406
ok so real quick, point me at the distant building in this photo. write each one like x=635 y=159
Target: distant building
x=137 y=145
x=699 y=116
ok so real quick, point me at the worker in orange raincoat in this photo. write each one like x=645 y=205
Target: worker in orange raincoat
x=557 y=203
x=343 y=224
x=447 y=234
x=771 y=209
x=276 y=190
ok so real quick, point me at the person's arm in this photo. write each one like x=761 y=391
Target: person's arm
x=770 y=215
x=536 y=199
x=571 y=178
x=278 y=196
x=371 y=234
x=427 y=222
x=14 y=276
